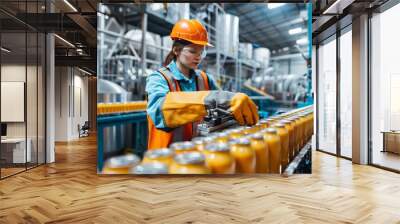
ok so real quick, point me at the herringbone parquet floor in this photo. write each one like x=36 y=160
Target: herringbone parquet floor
x=70 y=191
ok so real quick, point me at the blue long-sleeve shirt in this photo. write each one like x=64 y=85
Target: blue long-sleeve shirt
x=157 y=88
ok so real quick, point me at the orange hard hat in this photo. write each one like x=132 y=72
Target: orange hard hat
x=190 y=30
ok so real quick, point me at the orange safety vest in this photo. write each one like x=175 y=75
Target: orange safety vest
x=161 y=139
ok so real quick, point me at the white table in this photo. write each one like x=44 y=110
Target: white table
x=18 y=145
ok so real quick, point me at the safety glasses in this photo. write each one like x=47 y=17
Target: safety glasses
x=195 y=52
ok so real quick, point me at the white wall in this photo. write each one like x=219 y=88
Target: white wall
x=71 y=94
x=16 y=72
x=61 y=103
x=33 y=127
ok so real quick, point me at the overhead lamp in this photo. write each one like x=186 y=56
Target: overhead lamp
x=84 y=71
x=274 y=5
x=285 y=48
x=5 y=50
x=338 y=6
x=302 y=41
x=70 y=5
x=156 y=6
x=295 y=31
x=64 y=40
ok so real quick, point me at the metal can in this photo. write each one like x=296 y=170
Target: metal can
x=261 y=151
x=244 y=155
x=272 y=121
x=298 y=133
x=273 y=141
x=183 y=147
x=189 y=163
x=309 y=125
x=150 y=168
x=264 y=124
x=289 y=124
x=199 y=143
x=222 y=137
x=249 y=130
x=120 y=164
x=236 y=133
x=219 y=159
x=163 y=155
x=303 y=131
x=284 y=135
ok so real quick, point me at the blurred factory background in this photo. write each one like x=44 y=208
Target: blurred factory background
x=260 y=49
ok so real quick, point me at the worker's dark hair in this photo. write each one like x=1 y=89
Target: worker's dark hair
x=178 y=45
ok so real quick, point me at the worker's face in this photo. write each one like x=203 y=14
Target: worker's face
x=191 y=55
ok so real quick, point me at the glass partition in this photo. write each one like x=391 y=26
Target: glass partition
x=22 y=88
x=346 y=93
x=327 y=96
x=385 y=89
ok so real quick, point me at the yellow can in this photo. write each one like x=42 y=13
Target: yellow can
x=189 y=163
x=164 y=155
x=310 y=125
x=183 y=147
x=290 y=127
x=264 y=124
x=200 y=143
x=302 y=120
x=299 y=133
x=284 y=135
x=236 y=133
x=221 y=137
x=249 y=130
x=150 y=168
x=273 y=141
x=218 y=158
x=271 y=120
x=244 y=155
x=120 y=164
x=260 y=148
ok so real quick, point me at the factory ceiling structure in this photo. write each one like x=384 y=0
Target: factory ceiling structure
x=73 y=22
x=277 y=26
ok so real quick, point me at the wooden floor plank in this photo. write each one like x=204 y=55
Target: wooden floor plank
x=70 y=191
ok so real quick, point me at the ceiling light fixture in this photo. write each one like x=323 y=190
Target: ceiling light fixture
x=274 y=5
x=70 y=5
x=65 y=41
x=84 y=71
x=337 y=7
x=5 y=50
x=295 y=31
x=302 y=41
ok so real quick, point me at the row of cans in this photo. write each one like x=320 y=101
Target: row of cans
x=120 y=107
x=267 y=147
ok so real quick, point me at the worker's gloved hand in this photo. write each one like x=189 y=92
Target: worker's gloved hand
x=243 y=109
x=180 y=108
